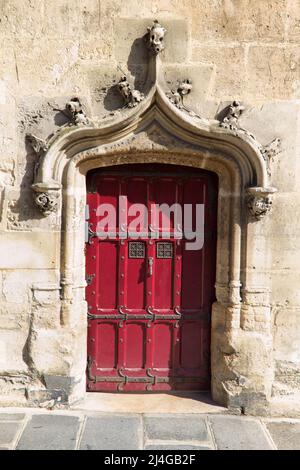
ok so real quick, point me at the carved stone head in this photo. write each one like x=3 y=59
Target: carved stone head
x=259 y=206
x=124 y=88
x=156 y=37
x=76 y=113
x=131 y=96
x=185 y=87
x=259 y=201
x=73 y=106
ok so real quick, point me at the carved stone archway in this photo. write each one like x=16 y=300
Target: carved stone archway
x=154 y=127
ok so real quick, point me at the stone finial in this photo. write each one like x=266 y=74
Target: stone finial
x=75 y=113
x=259 y=201
x=234 y=111
x=38 y=145
x=156 y=34
x=270 y=151
x=131 y=96
x=184 y=88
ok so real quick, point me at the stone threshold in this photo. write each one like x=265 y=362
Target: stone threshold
x=170 y=403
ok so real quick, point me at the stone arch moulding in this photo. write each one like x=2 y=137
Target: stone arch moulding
x=155 y=127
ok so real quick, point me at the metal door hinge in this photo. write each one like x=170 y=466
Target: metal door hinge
x=89 y=233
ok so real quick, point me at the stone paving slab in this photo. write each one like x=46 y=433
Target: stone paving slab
x=108 y=431
x=176 y=447
x=238 y=433
x=50 y=432
x=285 y=435
x=169 y=427
x=112 y=433
x=8 y=432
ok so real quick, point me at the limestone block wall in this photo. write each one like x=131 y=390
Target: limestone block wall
x=245 y=50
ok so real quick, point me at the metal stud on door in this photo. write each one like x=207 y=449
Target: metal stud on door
x=149 y=300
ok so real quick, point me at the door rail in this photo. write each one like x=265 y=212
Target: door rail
x=149 y=379
x=150 y=315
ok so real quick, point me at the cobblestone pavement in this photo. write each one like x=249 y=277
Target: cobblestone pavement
x=58 y=430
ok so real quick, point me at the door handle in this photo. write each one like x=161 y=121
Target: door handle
x=150 y=263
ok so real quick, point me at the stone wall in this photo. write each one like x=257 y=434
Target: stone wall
x=54 y=50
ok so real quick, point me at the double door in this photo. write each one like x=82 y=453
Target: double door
x=150 y=289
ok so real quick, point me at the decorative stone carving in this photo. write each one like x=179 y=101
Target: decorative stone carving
x=131 y=96
x=75 y=113
x=46 y=197
x=39 y=146
x=259 y=201
x=184 y=88
x=234 y=111
x=270 y=151
x=156 y=34
x=46 y=202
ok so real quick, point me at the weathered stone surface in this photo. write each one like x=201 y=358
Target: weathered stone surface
x=274 y=72
x=50 y=433
x=239 y=20
x=27 y=250
x=235 y=434
x=225 y=86
x=10 y=343
x=182 y=427
x=293 y=20
x=112 y=433
x=58 y=382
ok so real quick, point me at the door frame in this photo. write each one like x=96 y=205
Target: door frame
x=160 y=133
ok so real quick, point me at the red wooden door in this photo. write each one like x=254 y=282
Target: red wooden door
x=149 y=299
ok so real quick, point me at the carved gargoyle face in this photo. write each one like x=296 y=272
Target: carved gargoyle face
x=263 y=204
x=259 y=206
x=156 y=37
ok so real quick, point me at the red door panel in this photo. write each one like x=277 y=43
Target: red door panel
x=149 y=297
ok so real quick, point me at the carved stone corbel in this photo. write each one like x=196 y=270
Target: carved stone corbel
x=131 y=96
x=259 y=201
x=47 y=196
x=156 y=35
x=233 y=113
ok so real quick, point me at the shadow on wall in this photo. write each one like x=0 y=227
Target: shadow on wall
x=24 y=209
x=137 y=65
